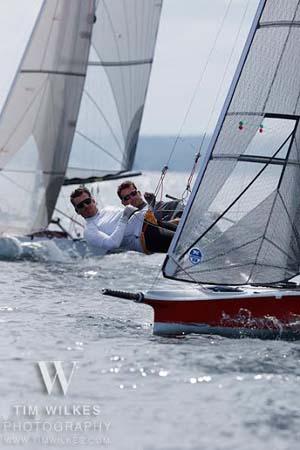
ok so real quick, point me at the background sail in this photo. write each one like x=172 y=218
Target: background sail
x=123 y=42
x=243 y=220
x=38 y=120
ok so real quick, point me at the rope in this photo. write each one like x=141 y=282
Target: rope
x=200 y=80
x=159 y=187
x=223 y=78
x=188 y=188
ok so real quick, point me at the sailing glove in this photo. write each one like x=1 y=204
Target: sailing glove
x=128 y=211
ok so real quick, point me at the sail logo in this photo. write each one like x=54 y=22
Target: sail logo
x=195 y=256
x=56 y=375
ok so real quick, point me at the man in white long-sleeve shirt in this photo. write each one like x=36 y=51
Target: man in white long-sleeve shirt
x=111 y=229
x=108 y=229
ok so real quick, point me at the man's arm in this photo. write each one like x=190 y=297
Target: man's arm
x=111 y=241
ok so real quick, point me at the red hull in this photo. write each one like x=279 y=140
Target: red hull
x=276 y=314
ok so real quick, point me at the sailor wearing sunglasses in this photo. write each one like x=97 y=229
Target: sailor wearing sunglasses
x=108 y=229
x=128 y=229
x=169 y=211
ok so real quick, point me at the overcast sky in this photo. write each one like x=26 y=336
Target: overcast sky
x=188 y=30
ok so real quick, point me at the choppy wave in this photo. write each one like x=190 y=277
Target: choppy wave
x=43 y=249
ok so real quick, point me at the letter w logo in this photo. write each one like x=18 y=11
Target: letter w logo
x=57 y=373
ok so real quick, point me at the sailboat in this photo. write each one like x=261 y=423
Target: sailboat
x=239 y=239
x=74 y=109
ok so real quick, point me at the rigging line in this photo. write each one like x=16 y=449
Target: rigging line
x=238 y=197
x=161 y=180
x=187 y=190
x=199 y=81
x=192 y=279
x=281 y=250
x=69 y=217
x=223 y=78
x=105 y=120
x=290 y=219
x=287 y=156
x=155 y=279
x=98 y=146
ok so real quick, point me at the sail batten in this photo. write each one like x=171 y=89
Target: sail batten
x=280 y=23
x=38 y=120
x=258 y=159
x=77 y=101
x=119 y=66
x=54 y=72
x=242 y=222
x=120 y=63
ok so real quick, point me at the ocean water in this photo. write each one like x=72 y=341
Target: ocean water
x=130 y=389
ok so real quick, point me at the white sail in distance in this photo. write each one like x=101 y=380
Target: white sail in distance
x=241 y=225
x=40 y=119
x=122 y=49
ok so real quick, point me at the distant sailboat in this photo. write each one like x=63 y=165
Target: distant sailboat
x=74 y=110
x=241 y=225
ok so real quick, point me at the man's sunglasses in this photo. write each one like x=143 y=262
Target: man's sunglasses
x=131 y=194
x=85 y=202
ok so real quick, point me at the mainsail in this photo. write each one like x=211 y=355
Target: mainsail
x=38 y=120
x=122 y=48
x=242 y=222
x=46 y=115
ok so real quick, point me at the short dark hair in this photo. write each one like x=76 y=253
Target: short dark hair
x=78 y=192
x=125 y=185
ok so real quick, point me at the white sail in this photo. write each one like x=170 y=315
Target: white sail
x=38 y=120
x=123 y=41
x=46 y=115
x=242 y=221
